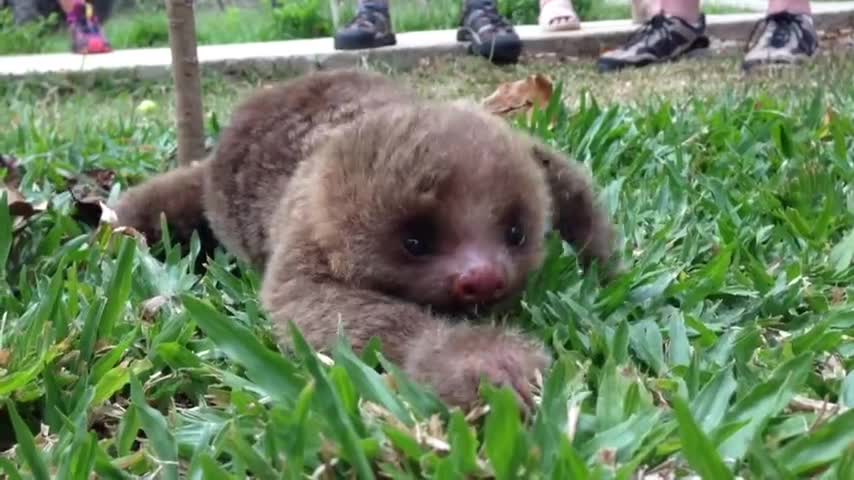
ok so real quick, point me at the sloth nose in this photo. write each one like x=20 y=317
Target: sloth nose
x=479 y=284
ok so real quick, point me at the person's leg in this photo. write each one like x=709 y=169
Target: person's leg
x=785 y=36
x=643 y=10
x=688 y=10
x=370 y=28
x=678 y=29
x=791 y=6
x=84 y=27
x=66 y=5
x=488 y=33
x=557 y=15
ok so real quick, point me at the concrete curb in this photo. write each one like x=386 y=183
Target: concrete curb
x=272 y=58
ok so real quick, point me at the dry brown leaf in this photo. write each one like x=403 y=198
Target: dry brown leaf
x=102 y=177
x=5 y=356
x=838 y=295
x=152 y=306
x=94 y=211
x=800 y=403
x=90 y=200
x=521 y=95
x=18 y=205
x=13 y=170
x=131 y=232
x=94 y=182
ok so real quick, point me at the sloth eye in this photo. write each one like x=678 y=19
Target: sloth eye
x=515 y=236
x=415 y=246
x=418 y=237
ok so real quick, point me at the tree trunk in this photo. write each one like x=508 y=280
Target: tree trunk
x=188 y=88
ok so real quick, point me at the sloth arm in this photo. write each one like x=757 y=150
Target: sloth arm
x=317 y=308
x=452 y=357
x=578 y=216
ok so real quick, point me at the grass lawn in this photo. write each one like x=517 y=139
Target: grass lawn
x=714 y=355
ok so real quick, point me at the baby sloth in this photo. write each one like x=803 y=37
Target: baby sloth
x=387 y=215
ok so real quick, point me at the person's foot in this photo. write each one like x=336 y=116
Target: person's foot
x=662 y=38
x=783 y=38
x=489 y=34
x=370 y=28
x=85 y=30
x=558 y=15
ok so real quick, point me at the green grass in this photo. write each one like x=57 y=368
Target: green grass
x=733 y=201
x=148 y=26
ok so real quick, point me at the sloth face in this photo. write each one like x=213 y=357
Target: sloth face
x=441 y=205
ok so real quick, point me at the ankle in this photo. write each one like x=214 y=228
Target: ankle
x=795 y=7
x=77 y=10
x=692 y=19
x=684 y=10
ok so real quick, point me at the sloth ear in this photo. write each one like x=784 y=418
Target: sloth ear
x=576 y=212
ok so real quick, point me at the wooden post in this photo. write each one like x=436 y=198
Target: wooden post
x=188 y=87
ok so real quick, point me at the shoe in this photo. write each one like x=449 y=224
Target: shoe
x=784 y=38
x=489 y=34
x=662 y=38
x=370 y=28
x=85 y=30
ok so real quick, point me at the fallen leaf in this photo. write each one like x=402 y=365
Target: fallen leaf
x=838 y=295
x=18 y=205
x=511 y=97
x=153 y=305
x=95 y=182
x=5 y=356
x=131 y=232
x=827 y=119
x=13 y=170
x=800 y=403
x=93 y=211
x=102 y=177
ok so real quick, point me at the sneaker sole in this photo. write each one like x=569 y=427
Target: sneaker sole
x=355 y=44
x=499 y=52
x=699 y=47
x=759 y=65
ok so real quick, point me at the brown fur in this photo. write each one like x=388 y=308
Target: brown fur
x=318 y=181
x=177 y=195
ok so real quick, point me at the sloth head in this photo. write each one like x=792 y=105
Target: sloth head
x=441 y=204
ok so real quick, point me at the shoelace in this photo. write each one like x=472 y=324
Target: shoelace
x=658 y=22
x=785 y=25
x=488 y=11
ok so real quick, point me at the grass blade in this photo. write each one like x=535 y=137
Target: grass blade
x=331 y=406
x=369 y=382
x=712 y=401
x=268 y=369
x=26 y=444
x=11 y=472
x=822 y=446
x=118 y=290
x=696 y=446
x=160 y=437
x=502 y=432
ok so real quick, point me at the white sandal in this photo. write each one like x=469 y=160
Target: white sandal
x=558 y=15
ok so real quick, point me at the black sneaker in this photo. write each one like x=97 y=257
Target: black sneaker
x=662 y=38
x=371 y=28
x=784 y=38
x=489 y=33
